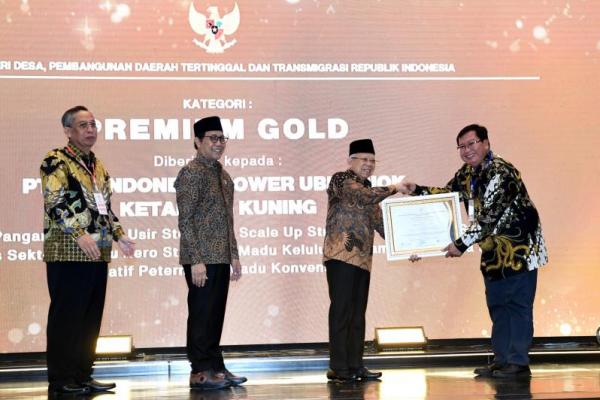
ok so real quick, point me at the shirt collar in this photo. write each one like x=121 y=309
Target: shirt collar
x=87 y=158
x=208 y=161
x=487 y=161
x=358 y=178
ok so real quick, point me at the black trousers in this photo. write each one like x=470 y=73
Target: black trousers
x=349 y=294
x=77 y=292
x=206 y=313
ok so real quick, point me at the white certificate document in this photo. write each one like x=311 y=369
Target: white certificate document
x=421 y=225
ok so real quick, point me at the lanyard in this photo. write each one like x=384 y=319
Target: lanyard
x=486 y=161
x=101 y=204
x=92 y=172
x=473 y=186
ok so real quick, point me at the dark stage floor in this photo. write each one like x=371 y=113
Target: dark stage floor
x=549 y=381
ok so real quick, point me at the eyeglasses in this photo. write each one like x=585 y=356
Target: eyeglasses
x=217 y=138
x=85 y=125
x=364 y=159
x=468 y=145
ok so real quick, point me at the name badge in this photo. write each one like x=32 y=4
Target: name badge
x=471 y=210
x=100 y=203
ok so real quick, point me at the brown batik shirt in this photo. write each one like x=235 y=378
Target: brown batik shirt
x=205 y=201
x=353 y=216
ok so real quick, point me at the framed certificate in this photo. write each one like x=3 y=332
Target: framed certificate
x=421 y=225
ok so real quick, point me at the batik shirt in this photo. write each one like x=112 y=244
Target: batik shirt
x=506 y=223
x=353 y=216
x=70 y=209
x=205 y=202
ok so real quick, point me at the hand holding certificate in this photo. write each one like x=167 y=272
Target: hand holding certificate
x=421 y=225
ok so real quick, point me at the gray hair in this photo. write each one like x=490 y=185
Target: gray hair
x=69 y=115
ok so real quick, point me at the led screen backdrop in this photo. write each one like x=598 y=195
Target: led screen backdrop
x=295 y=81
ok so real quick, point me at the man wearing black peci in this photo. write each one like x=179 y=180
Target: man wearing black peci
x=208 y=253
x=353 y=216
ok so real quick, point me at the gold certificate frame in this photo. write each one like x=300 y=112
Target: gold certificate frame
x=421 y=225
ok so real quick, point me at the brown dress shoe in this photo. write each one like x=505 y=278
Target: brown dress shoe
x=208 y=380
x=234 y=380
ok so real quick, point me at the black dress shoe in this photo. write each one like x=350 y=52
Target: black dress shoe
x=208 y=380
x=364 y=374
x=512 y=371
x=341 y=376
x=96 y=386
x=487 y=370
x=234 y=380
x=70 y=388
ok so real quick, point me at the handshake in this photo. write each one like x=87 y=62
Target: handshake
x=404 y=187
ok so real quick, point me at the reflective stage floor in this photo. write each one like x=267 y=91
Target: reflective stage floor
x=549 y=381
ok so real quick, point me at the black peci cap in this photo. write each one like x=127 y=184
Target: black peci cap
x=207 y=124
x=362 y=146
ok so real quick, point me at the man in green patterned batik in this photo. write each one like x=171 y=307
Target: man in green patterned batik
x=79 y=227
x=506 y=225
